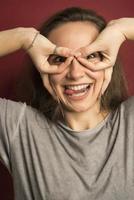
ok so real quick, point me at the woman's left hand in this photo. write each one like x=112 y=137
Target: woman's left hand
x=107 y=43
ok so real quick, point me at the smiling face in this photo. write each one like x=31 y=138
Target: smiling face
x=77 y=87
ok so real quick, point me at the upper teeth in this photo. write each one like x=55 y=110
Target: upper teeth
x=77 y=87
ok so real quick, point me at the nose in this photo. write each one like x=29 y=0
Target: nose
x=76 y=70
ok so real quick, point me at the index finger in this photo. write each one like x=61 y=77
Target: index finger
x=94 y=67
x=62 y=51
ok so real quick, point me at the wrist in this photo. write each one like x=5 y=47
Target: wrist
x=116 y=26
x=26 y=37
x=125 y=26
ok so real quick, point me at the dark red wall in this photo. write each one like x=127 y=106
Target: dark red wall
x=28 y=13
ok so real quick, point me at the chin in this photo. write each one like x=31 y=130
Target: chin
x=77 y=104
x=77 y=108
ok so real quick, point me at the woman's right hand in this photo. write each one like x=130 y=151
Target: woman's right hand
x=36 y=45
x=40 y=51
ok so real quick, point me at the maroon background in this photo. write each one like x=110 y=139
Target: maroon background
x=29 y=13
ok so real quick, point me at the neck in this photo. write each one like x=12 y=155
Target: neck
x=80 y=121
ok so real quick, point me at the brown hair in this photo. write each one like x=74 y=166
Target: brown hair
x=116 y=91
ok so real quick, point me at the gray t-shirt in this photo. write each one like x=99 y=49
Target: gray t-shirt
x=53 y=162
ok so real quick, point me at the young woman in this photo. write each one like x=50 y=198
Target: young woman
x=77 y=143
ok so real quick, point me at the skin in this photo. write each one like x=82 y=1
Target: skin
x=75 y=35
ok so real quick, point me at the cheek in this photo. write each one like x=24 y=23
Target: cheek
x=100 y=75
x=97 y=76
x=56 y=79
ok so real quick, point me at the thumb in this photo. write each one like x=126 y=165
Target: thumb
x=102 y=65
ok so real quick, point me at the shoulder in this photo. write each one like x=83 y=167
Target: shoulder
x=126 y=110
x=128 y=105
x=4 y=103
x=10 y=108
x=17 y=112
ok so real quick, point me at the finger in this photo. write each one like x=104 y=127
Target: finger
x=107 y=79
x=87 y=50
x=86 y=63
x=64 y=65
x=94 y=66
x=89 y=70
x=43 y=65
x=62 y=51
x=76 y=53
x=57 y=69
x=102 y=66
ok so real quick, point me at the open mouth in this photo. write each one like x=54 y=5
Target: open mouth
x=77 y=90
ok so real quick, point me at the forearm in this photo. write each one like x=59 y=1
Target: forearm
x=15 y=39
x=125 y=25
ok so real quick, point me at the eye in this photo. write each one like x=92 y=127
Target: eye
x=56 y=59
x=94 y=57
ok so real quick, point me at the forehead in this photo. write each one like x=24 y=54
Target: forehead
x=74 y=34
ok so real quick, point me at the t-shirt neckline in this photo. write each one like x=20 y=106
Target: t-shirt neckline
x=86 y=132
